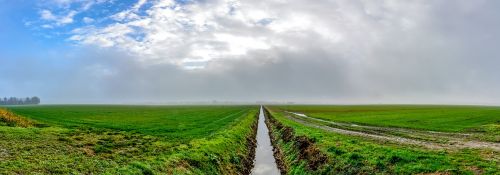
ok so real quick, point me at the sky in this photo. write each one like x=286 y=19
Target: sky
x=324 y=51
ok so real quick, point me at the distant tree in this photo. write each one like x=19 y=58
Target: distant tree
x=35 y=100
x=12 y=101
x=27 y=100
x=20 y=101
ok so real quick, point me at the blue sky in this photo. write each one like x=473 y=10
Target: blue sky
x=335 y=51
x=15 y=36
x=22 y=26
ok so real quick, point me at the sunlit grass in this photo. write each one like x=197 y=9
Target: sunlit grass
x=102 y=139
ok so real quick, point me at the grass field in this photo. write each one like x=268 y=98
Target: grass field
x=346 y=154
x=104 y=139
x=170 y=122
x=425 y=117
x=115 y=139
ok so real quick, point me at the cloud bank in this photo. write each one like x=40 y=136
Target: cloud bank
x=335 y=51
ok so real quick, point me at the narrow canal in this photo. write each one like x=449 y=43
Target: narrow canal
x=265 y=164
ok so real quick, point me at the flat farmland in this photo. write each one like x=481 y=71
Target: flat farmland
x=425 y=117
x=386 y=139
x=114 y=139
x=170 y=122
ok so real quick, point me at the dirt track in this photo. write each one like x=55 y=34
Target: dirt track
x=427 y=139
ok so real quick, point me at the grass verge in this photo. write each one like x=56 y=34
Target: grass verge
x=229 y=152
x=293 y=151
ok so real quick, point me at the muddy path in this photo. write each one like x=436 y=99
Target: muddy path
x=427 y=139
x=376 y=129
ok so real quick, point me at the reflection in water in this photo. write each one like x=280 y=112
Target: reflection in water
x=265 y=163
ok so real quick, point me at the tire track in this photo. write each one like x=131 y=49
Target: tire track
x=441 y=140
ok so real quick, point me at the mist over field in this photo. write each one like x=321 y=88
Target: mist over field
x=345 y=51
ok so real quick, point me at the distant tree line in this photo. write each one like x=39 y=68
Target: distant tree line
x=19 y=101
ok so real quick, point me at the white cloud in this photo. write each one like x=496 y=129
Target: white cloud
x=63 y=2
x=208 y=30
x=357 y=50
x=47 y=15
x=58 y=20
x=67 y=19
x=47 y=26
x=84 y=4
x=66 y=11
x=88 y=20
x=139 y=4
x=172 y=32
x=177 y=33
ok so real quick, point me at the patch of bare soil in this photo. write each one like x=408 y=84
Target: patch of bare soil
x=428 y=139
x=310 y=152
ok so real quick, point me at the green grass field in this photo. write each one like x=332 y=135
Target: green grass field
x=105 y=139
x=170 y=122
x=117 y=139
x=425 y=117
x=359 y=155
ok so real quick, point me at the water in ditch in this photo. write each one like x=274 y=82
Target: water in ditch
x=264 y=163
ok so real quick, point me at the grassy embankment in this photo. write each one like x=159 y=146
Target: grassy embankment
x=358 y=155
x=129 y=140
